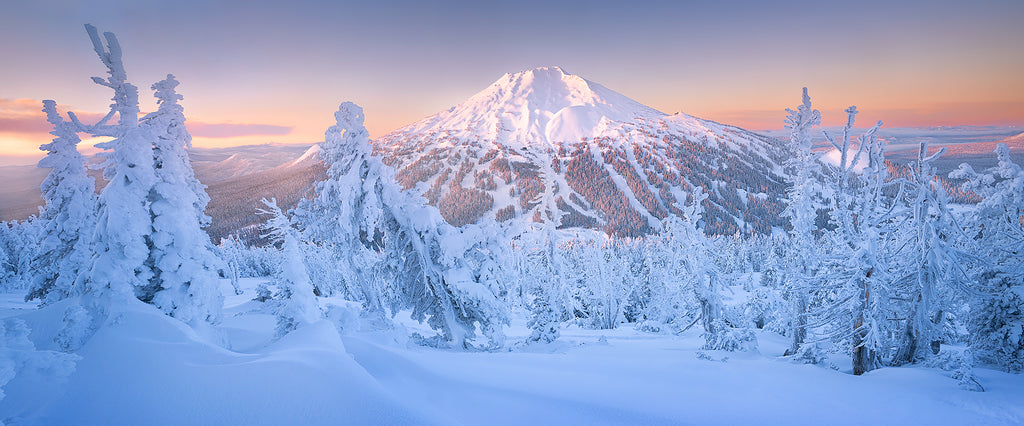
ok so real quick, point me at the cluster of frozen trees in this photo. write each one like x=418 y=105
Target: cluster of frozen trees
x=142 y=237
x=897 y=273
x=889 y=274
x=894 y=274
x=365 y=239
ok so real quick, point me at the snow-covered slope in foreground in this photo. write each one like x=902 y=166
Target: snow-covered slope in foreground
x=145 y=368
x=546 y=146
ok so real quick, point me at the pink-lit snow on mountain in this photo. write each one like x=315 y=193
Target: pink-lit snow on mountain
x=540 y=106
x=546 y=146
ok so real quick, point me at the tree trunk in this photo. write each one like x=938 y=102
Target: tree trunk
x=863 y=356
x=799 y=324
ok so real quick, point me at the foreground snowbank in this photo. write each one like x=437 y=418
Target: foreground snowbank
x=142 y=367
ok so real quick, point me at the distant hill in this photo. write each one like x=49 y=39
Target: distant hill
x=237 y=178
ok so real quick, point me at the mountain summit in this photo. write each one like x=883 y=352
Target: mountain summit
x=537 y=107
x=546 y=146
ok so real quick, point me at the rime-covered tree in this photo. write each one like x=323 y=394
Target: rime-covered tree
x=602 y=270
x=851 y=306
x=997 y=317
x=184 y=282
x=20 y=242
x=68 y=215
x=298 y=305
x=801 y=209
x=232 y=252
x=346 y=214
x=934 y=267
x=690 y=261
x=148 y=241
x=401 y=252
x=7 y=275
x=545 y=320
x=124 y=224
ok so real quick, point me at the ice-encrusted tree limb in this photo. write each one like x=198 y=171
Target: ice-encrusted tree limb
x=126 y=95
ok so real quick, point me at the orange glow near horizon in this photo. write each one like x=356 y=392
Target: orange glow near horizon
x=917 y=63
x=22 y=146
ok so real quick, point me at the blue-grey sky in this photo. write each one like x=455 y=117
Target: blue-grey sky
x=285 y=66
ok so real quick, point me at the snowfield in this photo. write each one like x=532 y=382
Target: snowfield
x=144 y=367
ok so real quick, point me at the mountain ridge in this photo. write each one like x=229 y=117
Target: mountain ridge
x=543 y=145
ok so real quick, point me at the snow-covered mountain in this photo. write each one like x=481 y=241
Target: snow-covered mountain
x=545 y=145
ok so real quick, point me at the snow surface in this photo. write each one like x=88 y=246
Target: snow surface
x=143 y=367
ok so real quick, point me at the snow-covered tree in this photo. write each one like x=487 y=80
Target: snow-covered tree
x=148 y=241
x=7 y=270
x=690 y=261
x=386 y=236
x=231 y=252
x=68 y=215
x=801 y=209
x=996 y=326
x=346 y=215
x=933 y=267
x=124 y=223
x=854 y=292
x=298 y=305
x=997 y=317
x=541 y=268
x=20 y=242
x=184 y=284
x=545 y=321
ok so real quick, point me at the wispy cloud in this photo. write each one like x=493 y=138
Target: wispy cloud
x=231 y=130
x=24 y=116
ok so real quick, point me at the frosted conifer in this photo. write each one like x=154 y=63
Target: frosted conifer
x=68 y=216
x=384 y=235
x=124 y=223
x=298 y=305
x=801 y=211
x=184 y=284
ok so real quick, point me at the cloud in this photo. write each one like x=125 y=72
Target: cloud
x=24 y=116
x=230 y=130
x=23 y=125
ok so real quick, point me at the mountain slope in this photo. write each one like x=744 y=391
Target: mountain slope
x=234 y=201
x=547 y=146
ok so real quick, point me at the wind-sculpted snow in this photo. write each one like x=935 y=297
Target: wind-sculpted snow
x=535 y=143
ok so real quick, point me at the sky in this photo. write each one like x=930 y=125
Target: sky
x=263 y=71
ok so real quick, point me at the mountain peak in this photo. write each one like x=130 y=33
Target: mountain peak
x=541 y=106
x=543 y=145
